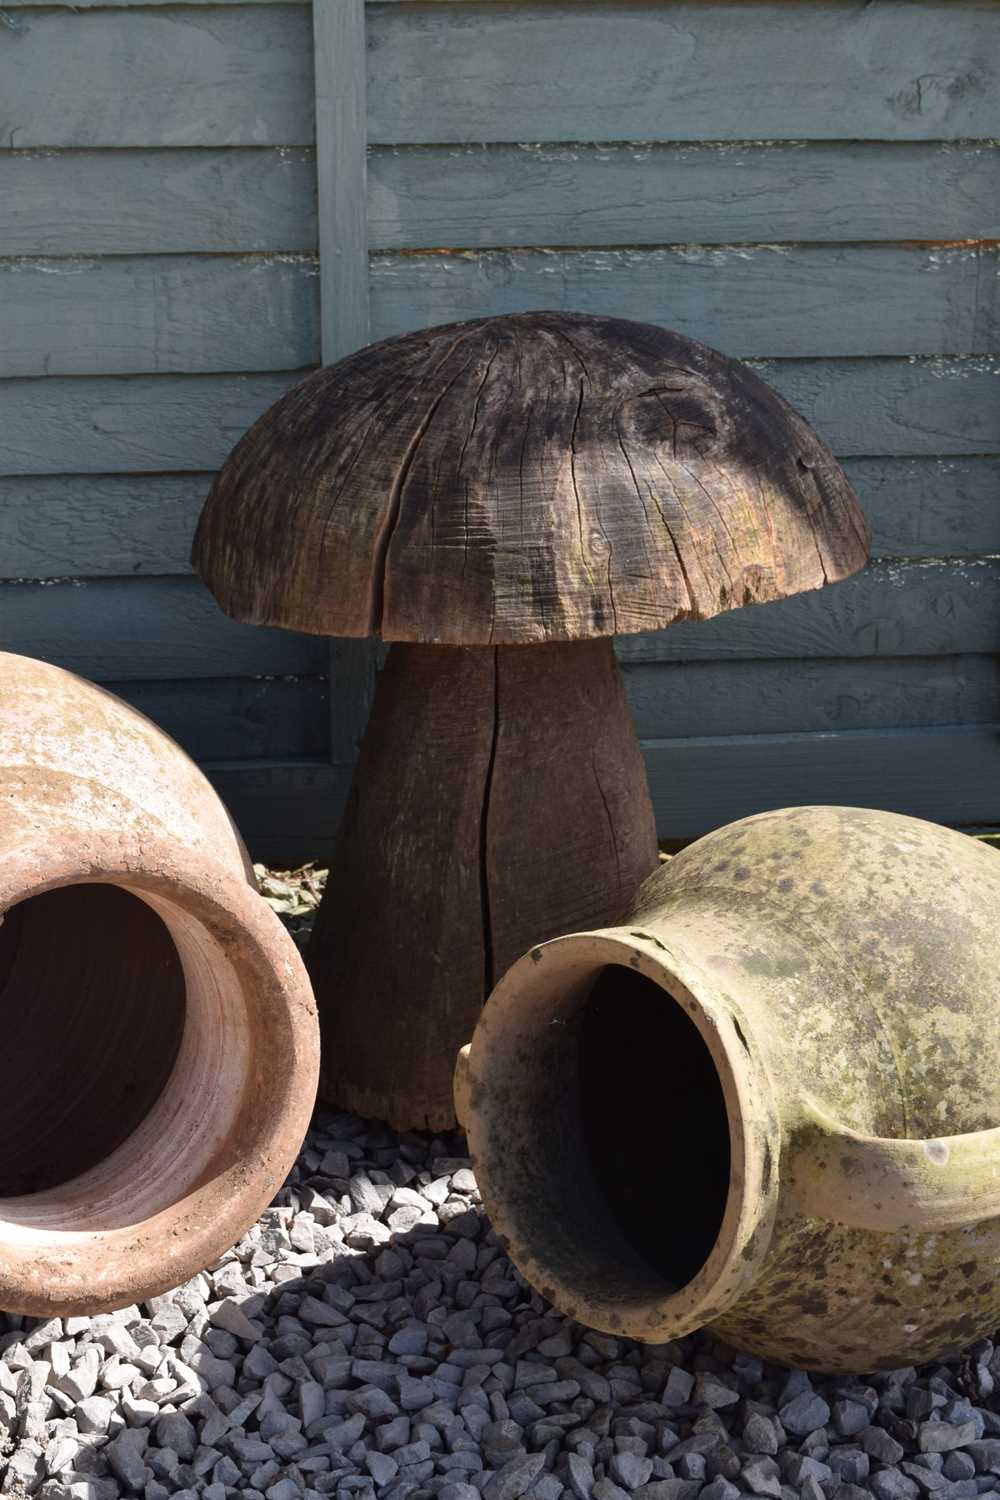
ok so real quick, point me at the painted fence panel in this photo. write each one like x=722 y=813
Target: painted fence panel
x=818 y=195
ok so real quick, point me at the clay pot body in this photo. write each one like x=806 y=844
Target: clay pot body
x=159 y=1037
x=768 y=1103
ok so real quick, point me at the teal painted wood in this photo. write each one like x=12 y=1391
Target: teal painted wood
x=228 y=200
x=108 y=526
x=675 y=700
x=929 y=507
x=345 y=306
x=934 y=407
x=124 y=315
x=191 y=77
x=891 y=609
x=237 y=718
x=783 y=302
x=114 y=629
x=144 y=424
x=124 y=4
x=886 y=70
x=121 y=525
x=158 y=202
x=288 y=811
x=167 y=628
x=341 y=139
x=484 y=197
x=948 y=775
x=163 y=76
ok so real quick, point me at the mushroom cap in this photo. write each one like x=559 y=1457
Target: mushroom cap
x=537 y=477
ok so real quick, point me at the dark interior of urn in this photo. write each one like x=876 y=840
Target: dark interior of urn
x=654 y=1122
x=92 y=1005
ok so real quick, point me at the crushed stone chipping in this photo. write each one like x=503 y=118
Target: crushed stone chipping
x=369 y=1339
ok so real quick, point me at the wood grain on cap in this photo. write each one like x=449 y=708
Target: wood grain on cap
x=533 y=477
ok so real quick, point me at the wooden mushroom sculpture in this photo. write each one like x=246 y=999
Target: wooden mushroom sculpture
x=500 y=498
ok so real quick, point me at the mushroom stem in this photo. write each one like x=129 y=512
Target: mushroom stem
x=500 y=799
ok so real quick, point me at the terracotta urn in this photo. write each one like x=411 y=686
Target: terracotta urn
x=160 y=1040
x=768 y=1103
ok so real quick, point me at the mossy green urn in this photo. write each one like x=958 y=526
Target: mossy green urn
x=769 y=1102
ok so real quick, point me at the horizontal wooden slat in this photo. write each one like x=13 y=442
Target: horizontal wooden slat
x=126 y=315
x=677 y=700
x=159 y=202
x=890 y=609
x=125 y=4
x=685 y=71
x=114 y=525
x=287 y=811
x=948 y=775
x=772 y=301
x=142 y=424
x=929 y=507
x=163 y=76
x=895 y=407
x=670 y=194
x=238 y=718
x=111 y=525
x=114 y=629
x=70 y=203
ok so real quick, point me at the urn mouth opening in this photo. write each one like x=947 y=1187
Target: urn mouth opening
x=622 y=1137
x=173 y=1042
x=93 y=999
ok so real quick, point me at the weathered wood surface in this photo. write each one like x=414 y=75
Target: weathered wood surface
x=499 y=799
x=796 y=73
x=490 y=197
x=114 y=525
x=767 y=301
x=896 y=407
x=543 y=477
x=397 y=954
x=486 y=197
x=948 y=775
x=123 y=4
x=158 y=76
x=929 y=507
x=115 y=628
x=289 y=811
x=685 y=71
x=109 y=525
x=891 y=609
x=127 y=315
x=157 y=202
x=906 y=407
x=676 y=700
x=124 y=315
x=238 y=718
x=569 y=833
x=286 y=810
x=341 y=140
x=143 y=424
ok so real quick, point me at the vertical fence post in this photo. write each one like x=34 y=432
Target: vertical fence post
x=341 y=67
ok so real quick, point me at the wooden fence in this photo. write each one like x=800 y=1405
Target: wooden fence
x=202 y=201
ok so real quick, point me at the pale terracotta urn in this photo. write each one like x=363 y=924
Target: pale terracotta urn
x=160 y=1038
x=768 y=1103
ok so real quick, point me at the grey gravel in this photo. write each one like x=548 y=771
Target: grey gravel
x=368 y=1339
